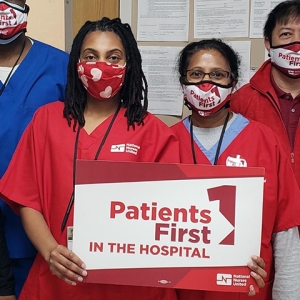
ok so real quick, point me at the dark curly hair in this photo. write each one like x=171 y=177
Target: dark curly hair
x=135 y=88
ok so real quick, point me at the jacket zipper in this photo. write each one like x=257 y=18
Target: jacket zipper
x=276 y=105
x=278 y=110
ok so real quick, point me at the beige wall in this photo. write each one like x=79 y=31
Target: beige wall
x=46 y=22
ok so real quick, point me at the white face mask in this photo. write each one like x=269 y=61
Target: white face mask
x=286 y=58
x=13 y=21
x=207 y=97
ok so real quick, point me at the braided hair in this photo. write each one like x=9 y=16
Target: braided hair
x=135 y=87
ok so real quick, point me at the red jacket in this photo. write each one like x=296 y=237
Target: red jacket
x=258 y=101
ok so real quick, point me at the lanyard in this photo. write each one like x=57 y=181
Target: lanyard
x=10 y=73
x=219 y=143
x=71 y=201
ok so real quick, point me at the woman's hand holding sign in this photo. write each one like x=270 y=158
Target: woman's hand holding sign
x=258 y=273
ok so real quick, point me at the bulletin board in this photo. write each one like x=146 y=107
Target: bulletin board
x=257 y=10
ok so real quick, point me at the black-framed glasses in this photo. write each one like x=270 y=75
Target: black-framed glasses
x=196 y=75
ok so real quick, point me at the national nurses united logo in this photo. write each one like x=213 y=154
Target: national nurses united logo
x=117 y=148
x=232 y=279
x=224 y=279
x=127 y=148
x=236 y=161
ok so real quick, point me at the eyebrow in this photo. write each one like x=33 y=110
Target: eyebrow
x=213 y=69
x=116 y=49
x=286 y=28
x=17 y=2
x=89 y=49
x=95 y=51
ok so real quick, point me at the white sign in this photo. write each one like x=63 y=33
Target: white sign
x=168 y=223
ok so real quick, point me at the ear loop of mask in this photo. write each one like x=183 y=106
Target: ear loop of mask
x=281 y=46
x=284 y=45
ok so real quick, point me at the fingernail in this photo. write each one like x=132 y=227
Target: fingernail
x=83 y=266
x=84 y=273
x=73 y=283
x=254 y=256
x=253 y=274
x=251 y=288
x=80 y=279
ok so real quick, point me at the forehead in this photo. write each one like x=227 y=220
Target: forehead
x=102 y=41
x=18 y=2
x=208 y=58
x=292 y=23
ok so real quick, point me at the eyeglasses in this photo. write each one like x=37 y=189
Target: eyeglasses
x=195 y=75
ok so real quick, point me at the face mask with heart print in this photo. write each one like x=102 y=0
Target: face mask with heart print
x=102 y=80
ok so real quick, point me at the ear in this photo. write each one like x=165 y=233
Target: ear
x=234 y=83
x=267 y=44
x=27 y=8
x=181 y=88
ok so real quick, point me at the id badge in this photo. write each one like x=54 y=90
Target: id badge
x=70 y=237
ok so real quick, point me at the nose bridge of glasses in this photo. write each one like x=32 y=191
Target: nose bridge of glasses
x=209 y=74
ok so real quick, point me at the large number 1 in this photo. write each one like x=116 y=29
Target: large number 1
x=226 y=194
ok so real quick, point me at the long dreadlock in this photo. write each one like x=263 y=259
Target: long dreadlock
x=135 y=88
